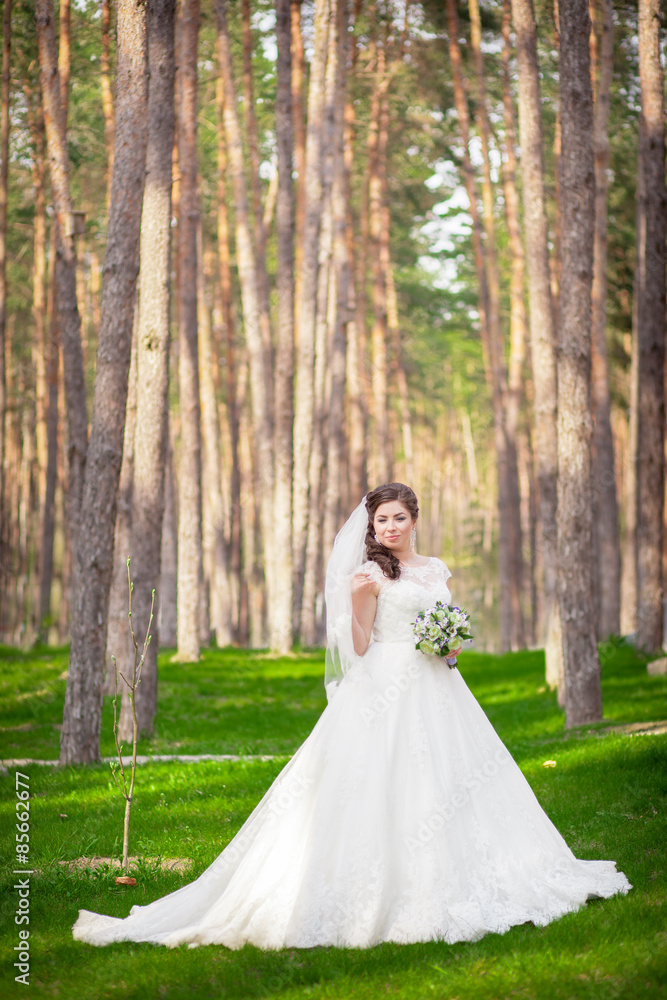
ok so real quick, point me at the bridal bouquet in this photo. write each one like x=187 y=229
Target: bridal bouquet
x=440 y=629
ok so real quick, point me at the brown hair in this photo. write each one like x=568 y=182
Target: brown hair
x=386 y=560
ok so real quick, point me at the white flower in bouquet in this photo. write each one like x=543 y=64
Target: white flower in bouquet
x=440 y=629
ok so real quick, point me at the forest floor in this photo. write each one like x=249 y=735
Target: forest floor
x=606 y=794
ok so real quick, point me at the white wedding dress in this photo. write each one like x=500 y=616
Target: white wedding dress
x=402 y=817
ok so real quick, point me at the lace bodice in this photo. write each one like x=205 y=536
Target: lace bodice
x=399 y=601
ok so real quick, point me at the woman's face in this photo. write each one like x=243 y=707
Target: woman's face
x=393 y=524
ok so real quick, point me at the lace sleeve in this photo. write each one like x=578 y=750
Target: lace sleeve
x=444 y=569
x=373 y=570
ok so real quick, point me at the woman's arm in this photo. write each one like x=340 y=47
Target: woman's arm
x=364 y=606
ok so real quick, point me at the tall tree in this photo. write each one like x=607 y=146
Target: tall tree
x=576 y=577
x=651 y=333
x=250 y=298
x=189 y=492
x=284 y=374
x=542 y=333
x=150 y=442
x=94 y=553
x=608 y=583
x=4 y=173
x=107 y=95
x=69 y=320
x=304 y=386
x=510 y=541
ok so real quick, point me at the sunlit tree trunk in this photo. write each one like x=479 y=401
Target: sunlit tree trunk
x=92 y=568
x=119 y=640
x=651 y=334
x=150 y=443
x=510 y=542
x=189 y=482
x=304 y=390
x=298 y=122
x=255 y=188
x=4 y=173
x=69 y=320
x=234 y=540
x=335 y=431
x=576 y=576
x=52 y=352
x=281 y=639
x=250 y=297
x=542 y=333
x=166 y=609
x=377 y=151
x=608 y=582
x=107 y=95
x=215 y=554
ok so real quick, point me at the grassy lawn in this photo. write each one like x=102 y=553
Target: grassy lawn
x=606 y=795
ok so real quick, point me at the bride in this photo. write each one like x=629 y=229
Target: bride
x=402 y=817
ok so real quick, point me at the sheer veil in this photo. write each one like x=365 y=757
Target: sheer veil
x=347 y=555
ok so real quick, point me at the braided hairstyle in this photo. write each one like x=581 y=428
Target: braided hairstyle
x=386 y=560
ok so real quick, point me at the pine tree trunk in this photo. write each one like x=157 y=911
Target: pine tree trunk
x=608 y=582
x=651 y=335
x=189 y=483
x=259 y=232
x=304 y=409
x=119 y=640
x=298 y=63
x=215 y=554
x=4 y=172
x=69 y=321
x=576 y=578
x=282 y=637
x=52 y=351
x=107 y=96
x=224 y=254
x=250 y=296
x=166 y=609
x=150 y=443
x=510 y=542
x=92 y=568
x=340 y=192
x=377 y=138
x=542 y=334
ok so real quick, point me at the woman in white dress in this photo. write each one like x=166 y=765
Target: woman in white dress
x=402 y=817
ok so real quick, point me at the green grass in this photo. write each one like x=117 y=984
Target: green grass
x=606 y=795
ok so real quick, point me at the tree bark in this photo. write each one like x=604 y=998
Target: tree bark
x=250 y=296
x=107 y=96
x=304 y=409
x=282 y=638
x=608 y=552
x=189 y=484
x=119 y=640
x=150 y=443
x=583 y=699
x=224 y=254
x=167 y=610
x=297 y=58
x=4 y=174
x=510 y=541
x=542 y=335
x=80 y=734
x=215 y=554
x=69 y=320
x=651 y=334
x=340 y=193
